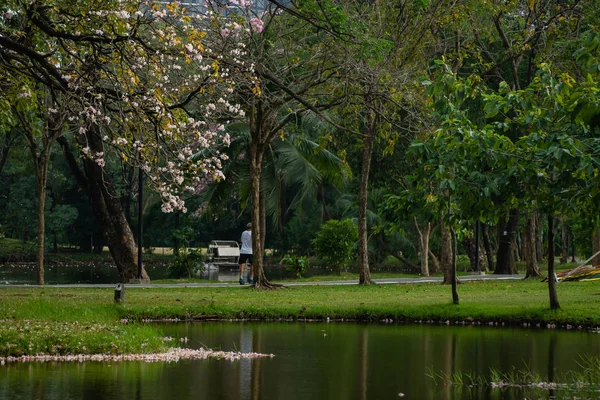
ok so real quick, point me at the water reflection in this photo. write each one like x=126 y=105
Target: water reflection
x=317 y=361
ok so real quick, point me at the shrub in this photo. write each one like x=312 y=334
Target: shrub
x=335 y=241
x=187 y=263
x=295 y=263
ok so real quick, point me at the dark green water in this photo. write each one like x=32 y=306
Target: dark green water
x=68 y=273
x=318 y=361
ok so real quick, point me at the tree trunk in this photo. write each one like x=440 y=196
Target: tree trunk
x=41 y=175
x=573 y=248
x=505 y=263
x=447 y=253
x=107 y=209
x=539 y=240
x=469 y=246
x=256 y=157
x=453 y=274
x=564 y=240
x=363 y=251
x=554 y=305
x=435 y=264
x=529 y=245
x=516 y=248
x=5 y=149
x=424 y=246
x=488 y=247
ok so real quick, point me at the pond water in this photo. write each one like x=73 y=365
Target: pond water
x=23 y=273
x=319 y=361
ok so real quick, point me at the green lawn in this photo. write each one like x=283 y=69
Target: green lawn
x=78 y=320
x=509 y=301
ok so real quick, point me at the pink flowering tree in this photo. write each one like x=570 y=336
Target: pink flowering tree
x=283 y=68
x=136 y=81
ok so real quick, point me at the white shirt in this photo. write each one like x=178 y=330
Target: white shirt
x=246 y=242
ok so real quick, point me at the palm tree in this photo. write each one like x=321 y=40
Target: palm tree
x=296 y=170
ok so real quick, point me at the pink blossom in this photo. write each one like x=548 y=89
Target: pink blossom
x=257 y=24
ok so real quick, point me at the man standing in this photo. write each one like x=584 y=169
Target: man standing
x=246 y=254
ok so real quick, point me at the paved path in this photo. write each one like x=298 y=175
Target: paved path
x=463 y=278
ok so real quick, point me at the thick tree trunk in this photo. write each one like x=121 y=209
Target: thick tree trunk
x=107 y=209
x=363 y=251
x=488 y=247
x=424 y=246
x=260 y=279
x=554 y=305
x=532 y=270
x=447 y=253
x=505 y=263
x=596 y=246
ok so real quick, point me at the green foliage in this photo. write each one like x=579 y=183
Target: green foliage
x=335 y=241
x=295 y=263
x=59 y=219
x=187 y=263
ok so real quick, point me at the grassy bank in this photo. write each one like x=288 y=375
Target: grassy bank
x=86 y=320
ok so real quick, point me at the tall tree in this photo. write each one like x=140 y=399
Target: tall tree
x=41 y=120
x=399 y=40
x=278 y=78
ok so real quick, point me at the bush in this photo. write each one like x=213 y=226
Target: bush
x=187 y=264
x=335 y=241
x=187 y=261
x=295 y=263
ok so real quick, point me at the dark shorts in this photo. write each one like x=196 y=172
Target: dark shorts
x=245 y=257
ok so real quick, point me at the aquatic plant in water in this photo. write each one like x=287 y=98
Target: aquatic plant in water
x=585 y=380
